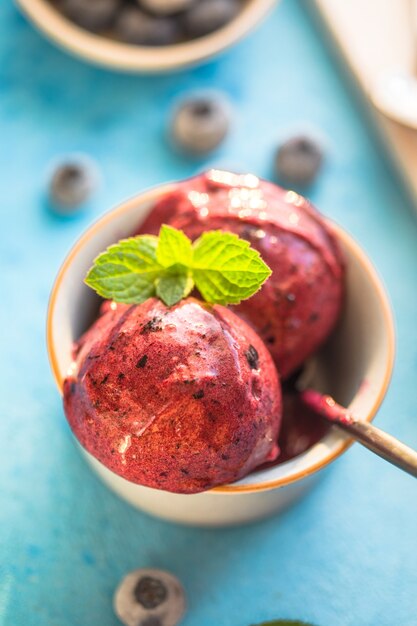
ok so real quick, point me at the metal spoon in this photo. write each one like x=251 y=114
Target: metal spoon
x=394 y=92
x=380 y=442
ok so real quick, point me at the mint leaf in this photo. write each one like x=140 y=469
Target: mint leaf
x=174 y=285
x=173 y=247
x=226 y=270
x=126 y=272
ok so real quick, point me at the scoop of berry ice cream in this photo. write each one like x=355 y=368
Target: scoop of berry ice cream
x=298 y=306
x=182 y=398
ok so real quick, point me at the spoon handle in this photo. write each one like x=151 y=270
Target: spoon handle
x=373 y=438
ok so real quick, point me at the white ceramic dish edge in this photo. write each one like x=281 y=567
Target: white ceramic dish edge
x=116 y=55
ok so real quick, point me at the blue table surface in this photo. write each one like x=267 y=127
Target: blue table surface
x=347 y=553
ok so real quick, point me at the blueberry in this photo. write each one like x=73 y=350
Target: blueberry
x=94 y=15
x=209 y=15
x=165 y=7
x=72 y=183
x=149 y=597
x=150 y=592
x=200 y=124
x=136 y=27
x=252 y=357
x=298 y=160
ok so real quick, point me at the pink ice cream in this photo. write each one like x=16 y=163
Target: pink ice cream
x=181 y=399
x=298 y=306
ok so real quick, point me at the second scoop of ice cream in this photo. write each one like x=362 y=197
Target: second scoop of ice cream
x=298 y=306
x=181 y=399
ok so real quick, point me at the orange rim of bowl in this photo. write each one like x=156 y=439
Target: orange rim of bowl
x=348 y=241
x=118 y=55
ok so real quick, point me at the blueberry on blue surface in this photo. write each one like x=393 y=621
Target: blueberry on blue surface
x=298 y=160
x=94 y=15
x=150 y=592
x=200 y=124
x=149 y=597
x=165 y=7
x=209 y=15
x=72 y=183
x=136 y=27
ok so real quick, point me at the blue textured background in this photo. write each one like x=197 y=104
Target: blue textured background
x=346 y=554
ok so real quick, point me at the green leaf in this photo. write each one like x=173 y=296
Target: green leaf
x=173 y=247
x=226 y=270
x=126 y=272
x=174 y=285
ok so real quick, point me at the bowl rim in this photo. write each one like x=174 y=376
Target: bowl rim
x=117 y=55
x=343 y=441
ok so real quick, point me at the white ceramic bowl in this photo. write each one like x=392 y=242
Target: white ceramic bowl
x=131 y=58
x=355 y=367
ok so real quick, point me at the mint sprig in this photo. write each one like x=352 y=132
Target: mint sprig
x=223 y=267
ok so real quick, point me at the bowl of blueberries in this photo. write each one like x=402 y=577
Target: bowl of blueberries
x=145 y=35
